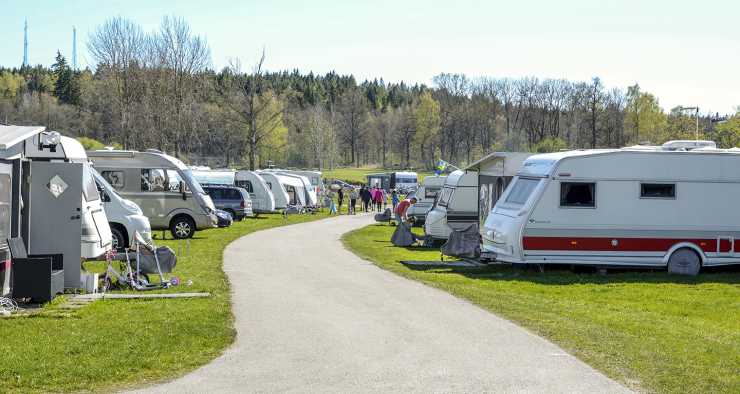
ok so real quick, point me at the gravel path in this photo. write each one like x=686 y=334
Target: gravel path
x=313 y=317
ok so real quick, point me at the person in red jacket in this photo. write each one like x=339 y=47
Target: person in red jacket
x=401 y=209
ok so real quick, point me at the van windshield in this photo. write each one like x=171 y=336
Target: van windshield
x=190 y=180
x=521 y=190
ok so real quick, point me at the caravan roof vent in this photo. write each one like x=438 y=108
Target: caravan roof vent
x=688 y=145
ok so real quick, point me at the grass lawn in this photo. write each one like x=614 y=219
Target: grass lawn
x=109 y=345
x=357 y=175
x=648 y=330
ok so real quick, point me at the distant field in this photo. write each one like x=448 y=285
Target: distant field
x=652 y=331
x=357 y=175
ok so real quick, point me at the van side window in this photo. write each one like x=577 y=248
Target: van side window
x=658 y=190
x=153 y=180
x=174 y=179
x=578 y=194
x=115 y=178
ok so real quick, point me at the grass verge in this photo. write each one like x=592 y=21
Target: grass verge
x=114 y=344
x=652 y=331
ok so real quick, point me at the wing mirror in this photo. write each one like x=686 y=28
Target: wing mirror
x=182 y=190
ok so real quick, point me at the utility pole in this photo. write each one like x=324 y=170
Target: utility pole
x=696 y=114
x=25 y=43
x=74 y=49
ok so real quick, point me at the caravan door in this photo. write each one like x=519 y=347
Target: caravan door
x=6 y=211
x=54 y=209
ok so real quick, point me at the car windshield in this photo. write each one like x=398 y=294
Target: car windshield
x=187 y=175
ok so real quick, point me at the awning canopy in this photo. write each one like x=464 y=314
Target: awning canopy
x=13 y=135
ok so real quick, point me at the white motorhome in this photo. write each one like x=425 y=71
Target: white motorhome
x=278 y=191
x=425 y=195
x=263 y=200
x=456 y=206
x=635 y=206
x=162 y=186
x=124 y=216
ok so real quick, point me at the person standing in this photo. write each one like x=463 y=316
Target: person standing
x=352 y=200
x=365 y=196
x=378 y=199
x=394 y=199
x=340 y=197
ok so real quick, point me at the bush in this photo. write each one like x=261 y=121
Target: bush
x=549 y=144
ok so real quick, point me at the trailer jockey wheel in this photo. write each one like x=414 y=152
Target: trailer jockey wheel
x=684 y=261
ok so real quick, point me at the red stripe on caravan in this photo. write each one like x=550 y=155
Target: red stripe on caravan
x=616 y=244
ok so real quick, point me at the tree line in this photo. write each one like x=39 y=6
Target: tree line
x=158 y=90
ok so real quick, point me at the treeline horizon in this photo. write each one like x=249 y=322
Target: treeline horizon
x=156 y=90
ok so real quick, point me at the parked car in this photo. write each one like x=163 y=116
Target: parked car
x=224 y=218
x=232 y=199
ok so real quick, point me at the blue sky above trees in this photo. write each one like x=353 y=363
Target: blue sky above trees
x=684 y=52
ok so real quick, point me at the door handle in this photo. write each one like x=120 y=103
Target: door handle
x=74 y=217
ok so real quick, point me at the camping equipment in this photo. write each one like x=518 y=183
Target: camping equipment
x=463 y=243
x=39 y=277
x=383 y=217
x=144 y=259
x=403 y=235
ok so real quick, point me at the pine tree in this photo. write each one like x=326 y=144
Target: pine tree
x=66 y=87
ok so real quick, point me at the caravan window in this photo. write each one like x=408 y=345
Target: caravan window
x=246 y=184
x=445 y=196
x=174 y=180
x=430 y=192
x=114 y=178
x=578 y=194
x=658 y=190
x=521 y=190
x=153 y=180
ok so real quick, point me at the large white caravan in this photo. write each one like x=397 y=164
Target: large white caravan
x=425 y=195
x=311 y=198
x=263 y=200
x=294 y=187
x=313 y=176
x=278 y=191
x=636 y=206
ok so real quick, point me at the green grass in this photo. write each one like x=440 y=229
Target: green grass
x=357 y=174
x=109 y=345
x=649 y=330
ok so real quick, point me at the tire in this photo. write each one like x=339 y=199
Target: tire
x=684 y=261
x=182 y=227
x=120 y=242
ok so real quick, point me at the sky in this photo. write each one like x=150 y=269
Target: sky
x=684 y=52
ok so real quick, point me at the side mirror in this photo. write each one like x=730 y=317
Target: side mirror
x=106 y=197
x=182 y=190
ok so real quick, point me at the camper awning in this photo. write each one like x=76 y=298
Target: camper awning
x=13 y=135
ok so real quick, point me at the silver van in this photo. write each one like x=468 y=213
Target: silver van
x=161 y=185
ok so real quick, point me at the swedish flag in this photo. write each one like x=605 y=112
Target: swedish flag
x=441 y=167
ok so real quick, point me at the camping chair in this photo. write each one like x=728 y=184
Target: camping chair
x=292 y=210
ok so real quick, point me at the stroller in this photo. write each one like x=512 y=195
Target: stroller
x=137 y=263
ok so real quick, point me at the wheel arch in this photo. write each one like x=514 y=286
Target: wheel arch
x=688 y=245
x=122 y=228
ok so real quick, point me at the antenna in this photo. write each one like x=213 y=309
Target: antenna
x=74 y=48
x=25 y=43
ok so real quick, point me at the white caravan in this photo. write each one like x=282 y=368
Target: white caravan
x=124 y=216
x=278 y=191
x=425 y=195
x=295 y=188
x=636 y=206
x=263 y=200
x=311 y=198
x=456 y=206
x=313 y=176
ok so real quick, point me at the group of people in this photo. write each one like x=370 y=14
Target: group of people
x=373 y=199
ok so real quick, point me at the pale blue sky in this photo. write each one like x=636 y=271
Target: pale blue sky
x=685 y=52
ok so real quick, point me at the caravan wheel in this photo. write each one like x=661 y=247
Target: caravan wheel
x=684 y=261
